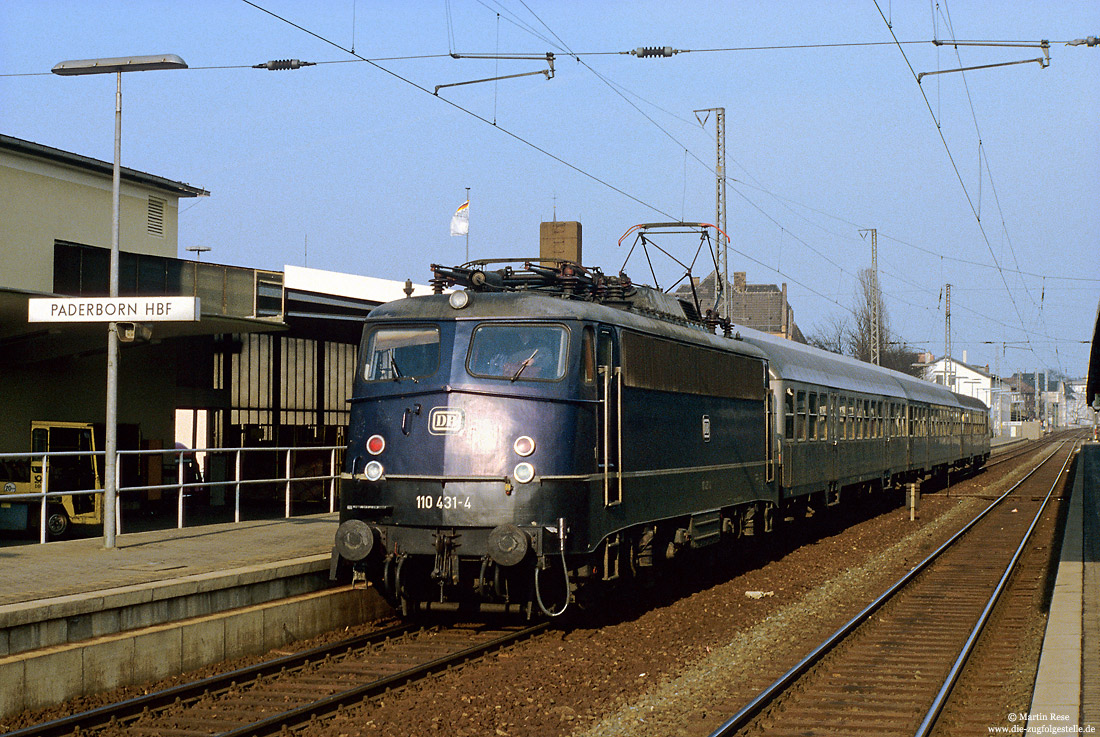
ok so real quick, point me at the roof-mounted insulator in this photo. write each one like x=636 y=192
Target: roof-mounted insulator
x=277 y=64
x=644 y=51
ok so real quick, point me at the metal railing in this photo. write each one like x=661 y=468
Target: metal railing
x=261 y=476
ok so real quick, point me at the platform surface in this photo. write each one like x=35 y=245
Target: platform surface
x=35 y=572
x=1067 y=685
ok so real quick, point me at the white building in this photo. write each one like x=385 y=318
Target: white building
x=977 y=382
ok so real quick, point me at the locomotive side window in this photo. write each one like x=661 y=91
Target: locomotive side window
x=519 y=352
x=396 y=353
x=588 y=356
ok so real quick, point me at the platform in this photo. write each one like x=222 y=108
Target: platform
x=1067 y=685
x=76 y=618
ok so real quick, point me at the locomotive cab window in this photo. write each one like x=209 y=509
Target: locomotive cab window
x=401 y=352
x=519 y=352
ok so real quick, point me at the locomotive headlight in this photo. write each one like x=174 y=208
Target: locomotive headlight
x=376 y=444
x=373 y=471
x=459 y=299
x=524 y=446
x=523 y=473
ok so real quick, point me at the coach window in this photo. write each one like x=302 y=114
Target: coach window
x=823 y=417
x=788 y=401
x=800 y=408
x=811 y=417
x=851 y=432
x=880 y=420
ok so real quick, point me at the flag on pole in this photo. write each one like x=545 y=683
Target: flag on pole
x=460 y=222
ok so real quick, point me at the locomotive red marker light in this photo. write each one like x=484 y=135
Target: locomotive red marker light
x=524 y=446
x=376 y=444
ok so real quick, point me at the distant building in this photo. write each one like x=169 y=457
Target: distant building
x=973 y=381
x=1077 y=410
x=761 y=307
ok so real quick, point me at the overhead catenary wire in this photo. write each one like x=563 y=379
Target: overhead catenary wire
x=777 y=268
x=776 y=218
x=958 y=175
x=467 y=111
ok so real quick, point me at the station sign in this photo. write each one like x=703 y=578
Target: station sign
x=113 y=309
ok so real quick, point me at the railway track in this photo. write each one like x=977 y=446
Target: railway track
x=294 y=689
x=892 y=669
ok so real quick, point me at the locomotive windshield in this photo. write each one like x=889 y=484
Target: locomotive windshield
x=519 y=352
x=396 y=353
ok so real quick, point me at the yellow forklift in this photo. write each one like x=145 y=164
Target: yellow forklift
x=63 y=473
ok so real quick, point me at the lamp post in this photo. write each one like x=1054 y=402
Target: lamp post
x=116 y=66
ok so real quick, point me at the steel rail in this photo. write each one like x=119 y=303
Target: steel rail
x=293 y=717
x=769 y=694
x=95 y=718
x=933 y=712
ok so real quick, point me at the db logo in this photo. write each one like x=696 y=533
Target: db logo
x=446 y=421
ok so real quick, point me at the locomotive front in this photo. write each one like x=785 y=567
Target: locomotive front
x=464 y=476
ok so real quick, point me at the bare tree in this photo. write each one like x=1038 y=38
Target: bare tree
x=833 y=335
x=850 y=334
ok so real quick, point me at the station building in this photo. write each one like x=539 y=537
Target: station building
x=270 y=362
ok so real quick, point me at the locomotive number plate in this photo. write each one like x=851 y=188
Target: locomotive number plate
x=446 y=421
x=443 y=501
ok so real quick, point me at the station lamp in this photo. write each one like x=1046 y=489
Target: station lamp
x=116 y=66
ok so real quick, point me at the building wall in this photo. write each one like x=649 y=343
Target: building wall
x=42 y=201
x=73 y=390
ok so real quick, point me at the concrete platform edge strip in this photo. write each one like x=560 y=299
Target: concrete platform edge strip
x=54 y=675
x=73 y=619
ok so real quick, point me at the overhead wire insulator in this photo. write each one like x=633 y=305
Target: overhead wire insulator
x=644 y=51
x=277 y=64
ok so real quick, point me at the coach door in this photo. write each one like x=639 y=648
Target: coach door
x=610 y=382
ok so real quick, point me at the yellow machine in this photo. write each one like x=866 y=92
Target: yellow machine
x=64 y=473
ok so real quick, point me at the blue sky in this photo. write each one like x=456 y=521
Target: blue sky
x=357 y=166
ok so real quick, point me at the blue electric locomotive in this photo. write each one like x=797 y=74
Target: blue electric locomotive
x=552 y=427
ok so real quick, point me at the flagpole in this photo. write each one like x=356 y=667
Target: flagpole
x=467 y=225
